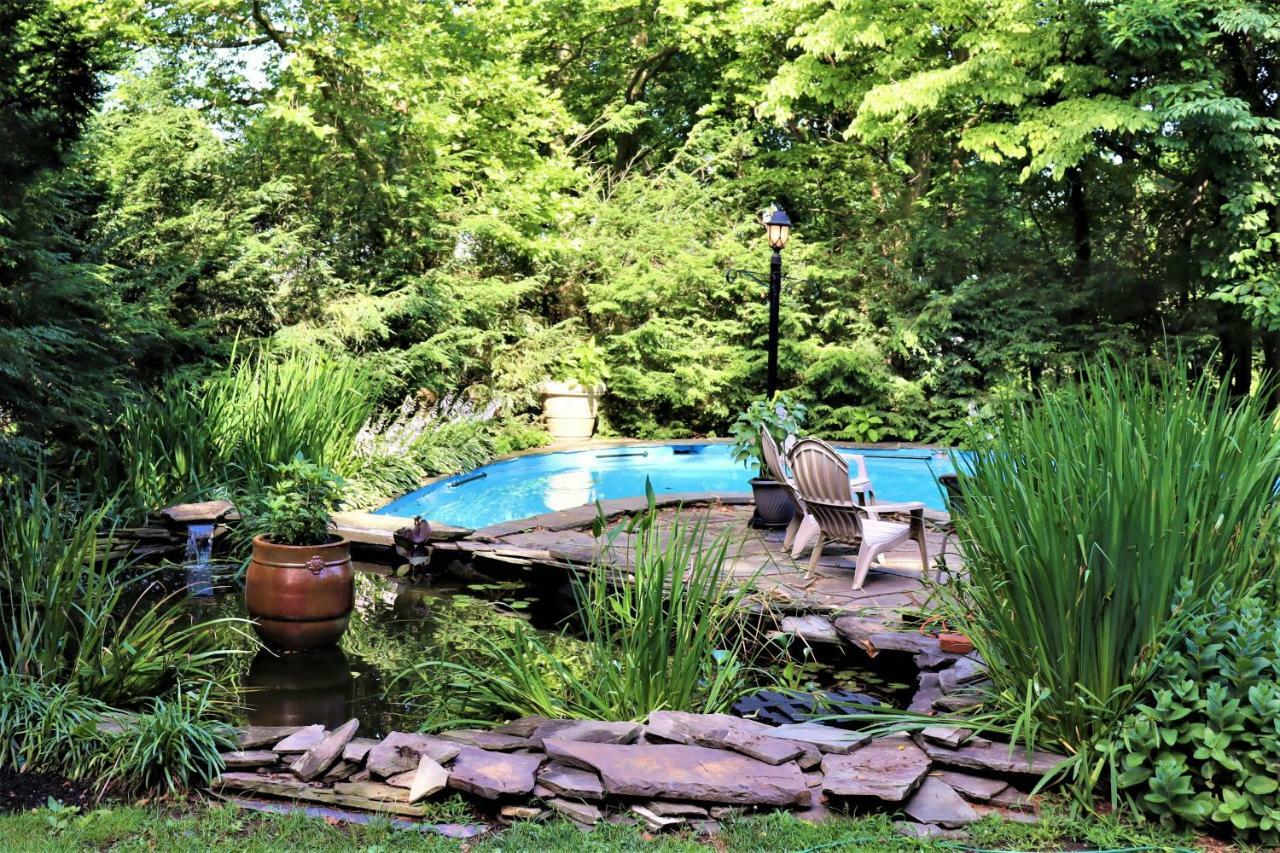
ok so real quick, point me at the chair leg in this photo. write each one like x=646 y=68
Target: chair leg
x=792 y=529
x=817 y=553
x=924 y=556
x=866 y=556
x=808 y=529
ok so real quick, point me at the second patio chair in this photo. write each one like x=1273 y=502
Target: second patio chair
x=798 y=529
x=822 y=485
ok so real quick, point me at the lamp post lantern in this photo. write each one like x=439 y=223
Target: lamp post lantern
x=778 y=228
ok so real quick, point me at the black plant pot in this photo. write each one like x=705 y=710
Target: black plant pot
x=774 y=507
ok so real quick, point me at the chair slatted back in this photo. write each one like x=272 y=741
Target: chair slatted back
x=822 y=479
x=773 y=459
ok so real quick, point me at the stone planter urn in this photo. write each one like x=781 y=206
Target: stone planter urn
x=300 y=596
x=773 y=505
x=569 y=409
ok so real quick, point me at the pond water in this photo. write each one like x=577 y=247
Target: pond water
x=398 y=625
x=545 y=482
x=395 y=627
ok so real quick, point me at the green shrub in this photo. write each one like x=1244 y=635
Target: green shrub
x=298 y=505
x=671 y=639
x=1203 y=747
x=176 y=742
x=396 y=452
x=455 y=445
x=585 y=365
x=1083 y=516
x=515 y=435
x=780 y=417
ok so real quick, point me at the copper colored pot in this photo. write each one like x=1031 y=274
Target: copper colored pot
x=300 y=596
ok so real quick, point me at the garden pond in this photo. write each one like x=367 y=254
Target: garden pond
x=400 y=625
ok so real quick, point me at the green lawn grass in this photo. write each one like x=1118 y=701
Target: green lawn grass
x=202 y=826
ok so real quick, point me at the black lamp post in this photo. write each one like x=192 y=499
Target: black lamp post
x=778 y=227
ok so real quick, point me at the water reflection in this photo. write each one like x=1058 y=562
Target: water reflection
x=395 y=627
x=568 y=489
x=319 y=686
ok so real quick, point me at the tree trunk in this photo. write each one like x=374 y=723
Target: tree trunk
x=1271 y=367
x=1235 y=340
x=1079 y=224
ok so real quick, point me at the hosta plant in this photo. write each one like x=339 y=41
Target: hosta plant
x=780 y=417
x=1204 y=748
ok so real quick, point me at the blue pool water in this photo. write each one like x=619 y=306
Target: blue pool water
x=546 y=482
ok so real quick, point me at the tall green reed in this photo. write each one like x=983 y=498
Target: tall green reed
x=161 y=452
x=1082 y=516
x=229 y=432
x=66 y=616
x=675 y=636
x=265 y=409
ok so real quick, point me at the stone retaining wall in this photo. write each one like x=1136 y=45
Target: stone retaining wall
x=677 y=769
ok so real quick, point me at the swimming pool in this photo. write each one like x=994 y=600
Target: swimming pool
x=546 y=482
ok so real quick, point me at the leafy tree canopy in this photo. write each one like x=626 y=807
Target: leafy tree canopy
x=461 y=194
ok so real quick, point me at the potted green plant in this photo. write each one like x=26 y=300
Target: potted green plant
x=571 y=400
x=300 y=583
x=780 y=417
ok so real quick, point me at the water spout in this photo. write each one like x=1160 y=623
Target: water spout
x=199 y=557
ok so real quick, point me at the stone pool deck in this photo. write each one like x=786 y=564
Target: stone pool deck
x=564 y=540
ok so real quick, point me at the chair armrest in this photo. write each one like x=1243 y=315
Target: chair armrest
x=911 y=507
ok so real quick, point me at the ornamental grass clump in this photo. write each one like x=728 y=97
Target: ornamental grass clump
x=67 y=616
x=1084 y=515
x=175 y=743
x=672 y=638
x=228 y=432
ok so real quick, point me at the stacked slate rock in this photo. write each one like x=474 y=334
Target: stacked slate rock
x=678 y=769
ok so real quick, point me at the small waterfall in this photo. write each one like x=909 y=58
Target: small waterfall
x=199 y=557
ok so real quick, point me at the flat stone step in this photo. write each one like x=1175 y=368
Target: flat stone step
x=938 y=803
x=369 y=528
x=888 y=769
x=294 y=789
x=682 y=772
x=984 y=755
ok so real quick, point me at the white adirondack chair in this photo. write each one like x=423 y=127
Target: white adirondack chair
x=822 y=484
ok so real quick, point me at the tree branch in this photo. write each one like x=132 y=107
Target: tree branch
x=278 y=37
